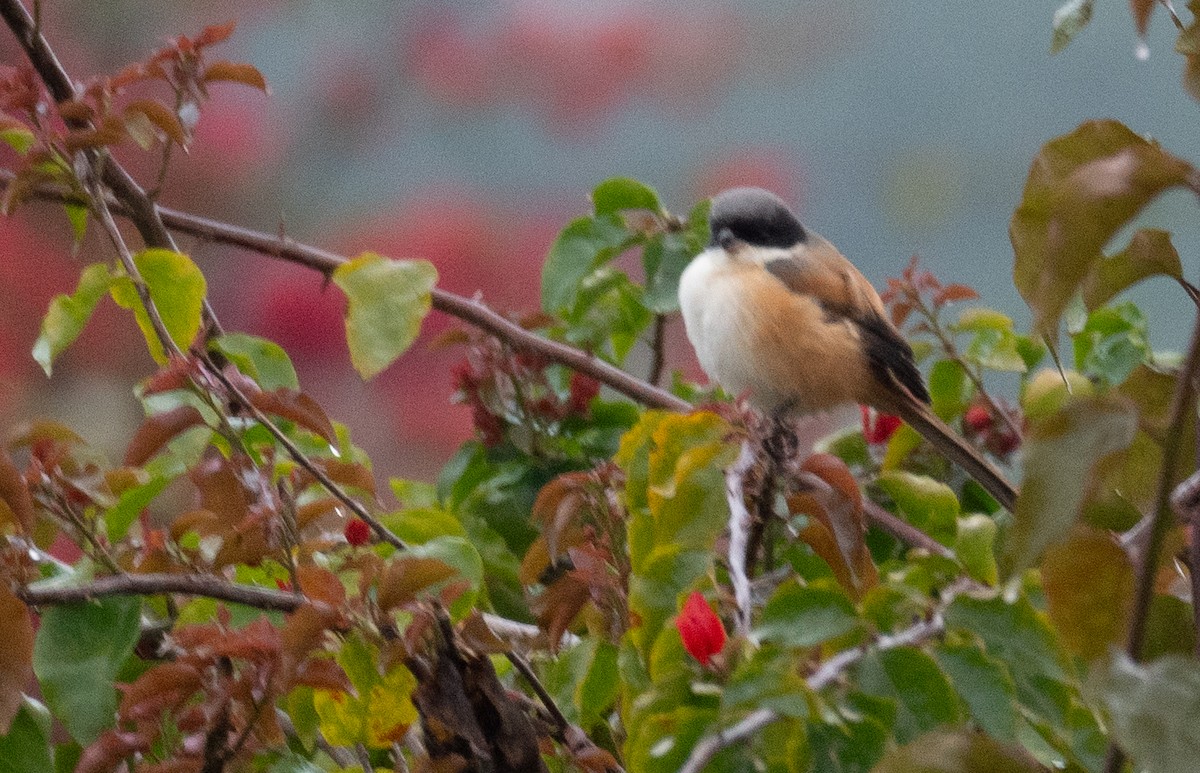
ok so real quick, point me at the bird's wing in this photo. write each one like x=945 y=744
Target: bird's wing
x=820 y=272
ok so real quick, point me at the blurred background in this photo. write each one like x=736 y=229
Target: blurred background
x=469 y=133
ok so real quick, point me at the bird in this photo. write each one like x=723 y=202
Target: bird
x=775 y=311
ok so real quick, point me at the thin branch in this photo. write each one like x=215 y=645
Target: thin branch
x=658 y=352
x=902 y=530
x=740 y=522
x=543 y=695
x=381 y=531
x=1162 y=519
x=830 y=671
x=469 y=310
x=1181 y=403
x=204 y=585
x=100 y=206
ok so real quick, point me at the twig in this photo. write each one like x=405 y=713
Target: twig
x=658 y=352
x=100 y=205
x=902 y=530
x=1174 y=16
x=543 y=695
x=381 y=531
x=710 y=745
x=739 y=534
x=1162 y=518
x=204 y=585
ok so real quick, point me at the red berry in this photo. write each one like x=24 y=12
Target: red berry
x=878 y=427
x=700 y=629
x=358 y=532
x=977 y=419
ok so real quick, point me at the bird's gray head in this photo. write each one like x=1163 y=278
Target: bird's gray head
x=754 y=216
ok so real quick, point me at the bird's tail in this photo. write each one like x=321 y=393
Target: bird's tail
x=954 y=447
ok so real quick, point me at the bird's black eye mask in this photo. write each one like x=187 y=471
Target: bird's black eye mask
x=773 y=229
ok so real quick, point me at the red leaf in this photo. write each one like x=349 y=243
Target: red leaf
x=295 y=406
x=14 y=494
x=321 y=584
x=158 y=430
x=700 y=629
x=878 y=427
x=166 y=686
x=235 y=72
x=558 y=605
x=16 y=656
x=954 y=292
x=323 y=674
x=107 y=752
x=1141 y=10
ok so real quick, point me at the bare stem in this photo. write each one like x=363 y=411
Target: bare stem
x=658 y=349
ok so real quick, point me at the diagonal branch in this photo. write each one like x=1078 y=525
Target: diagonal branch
x=829 y=672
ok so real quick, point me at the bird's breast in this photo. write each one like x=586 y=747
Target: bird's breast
x=751 y=333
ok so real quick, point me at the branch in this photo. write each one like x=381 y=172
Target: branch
x=902 y=530
x=204 y=585
x=1163 y=517
x=831 y=670
x=739 y=533
x=381 y=531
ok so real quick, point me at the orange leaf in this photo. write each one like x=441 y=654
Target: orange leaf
x=215 y=33
x=158 y=430
x=1141 y=10
x=403 y=578
x=221 y=488
x=311 y=511
x=16 y=656
x=163 y=687
x=297 y=407
x=1088 y=582
x=161 y=116
x=321 y=585
x=558 y=605
x=42 y=430
x=14 y=494
x=322 y=674
x=954 y=292
x=235 y=72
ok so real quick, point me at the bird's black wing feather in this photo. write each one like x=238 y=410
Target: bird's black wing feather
x=890 y=356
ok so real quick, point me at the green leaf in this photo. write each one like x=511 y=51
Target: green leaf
x=924 y=698
x=413 y=493
x=69 y=314
x=1153 y=710
x=852 y=745
x=77 y=216
x=26 y=747
x=928 y=504
x=417 y=525
x=975 y=547
x=957 y=750
x=583 y=246
x=119 y=517
x=388 y=299
x=608 y=314
x=1047 y=392
x=949 y=388
x=76 y=657
x=799 y=616
x=1150 y=253
x=1071 y=17
x=599 y=685
x=768 y=679
x=620 y=193
x=1060 y=452
x=17 y=137
x=177 y=288
x=264 y=361
x=665 y=258
x=1169 y=628
x=985 y=685
x=1015 y=635
x=1082 y=188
